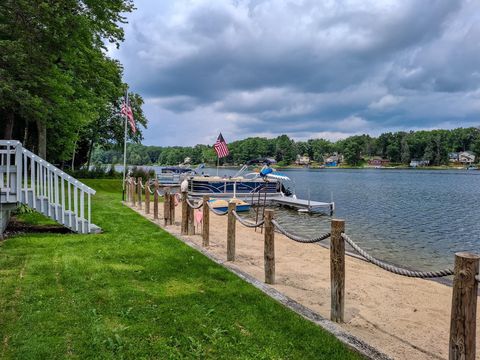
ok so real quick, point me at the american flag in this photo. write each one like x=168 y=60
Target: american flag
x=127 y=111
x=221 y=147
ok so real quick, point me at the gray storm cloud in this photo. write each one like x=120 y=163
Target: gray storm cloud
x=305 y=68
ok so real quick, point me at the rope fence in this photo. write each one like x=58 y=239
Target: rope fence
x=462 y=343
x=297 y=238
x=246 y=222
x=193 y=206
x=395 y=269
x=217 y=212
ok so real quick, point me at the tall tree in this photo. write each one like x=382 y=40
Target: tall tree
x=54 y=70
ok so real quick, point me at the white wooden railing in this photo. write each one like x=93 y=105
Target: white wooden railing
x=26 y=178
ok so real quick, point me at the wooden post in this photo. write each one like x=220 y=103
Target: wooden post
x=133 y=192
x=184 y=226
x=231 y=232
x=269 y=247
x=206 y=222
x=337 y=271
x=147 y=197
x=139 y=192
x=155 y=200
x=464 y=307
x=166 y=207
x=191 y=221
x=171 y=219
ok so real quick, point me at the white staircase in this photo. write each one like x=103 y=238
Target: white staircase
x=28 y=179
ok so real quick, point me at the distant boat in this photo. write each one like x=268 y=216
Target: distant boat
x=174 y=175
x=472 y=167
x=222 y=205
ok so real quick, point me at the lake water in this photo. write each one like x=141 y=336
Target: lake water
x=417 y=218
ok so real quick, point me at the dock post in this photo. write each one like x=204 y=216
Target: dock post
x=133 y=192
x=206 y=222
x=464 y=307
x=231 y=232
x=191 y=221
x=337 y=271
x=166 y=207
x=155 y=200
x=172 y=209
x=147 y=197
x=184 y=226
x=139 y=192
x=269 y=247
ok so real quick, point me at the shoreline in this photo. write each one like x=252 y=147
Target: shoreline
x=400 y=316
x=294 y=167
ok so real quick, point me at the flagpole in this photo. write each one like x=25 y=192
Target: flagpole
x=125 y=147
x=218 y=164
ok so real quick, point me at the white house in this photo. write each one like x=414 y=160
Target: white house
x=303 y=160
x=466 y=157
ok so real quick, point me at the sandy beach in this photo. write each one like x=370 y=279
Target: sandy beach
x=405 y=318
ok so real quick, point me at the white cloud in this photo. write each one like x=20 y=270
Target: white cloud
x=386 y=101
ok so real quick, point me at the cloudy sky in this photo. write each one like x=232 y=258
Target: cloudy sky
x=306 y=68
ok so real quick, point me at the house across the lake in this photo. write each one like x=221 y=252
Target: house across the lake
x=333 y=160
x=303 y=160
x=377 y=161
x=463 y=157
x=453 y=157
x=418 y=163
x=466 y=157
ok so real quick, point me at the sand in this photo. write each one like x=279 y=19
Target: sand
x=405 y=318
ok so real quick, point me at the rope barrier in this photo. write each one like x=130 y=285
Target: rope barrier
x=298 y=238
x=247 y=223
x=149 y=189
x=193 y=206
x=395 y=269
x=216 y=212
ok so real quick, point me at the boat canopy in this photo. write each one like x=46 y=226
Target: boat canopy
x=175 y=169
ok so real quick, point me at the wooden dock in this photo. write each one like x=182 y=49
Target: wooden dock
x=305 y=205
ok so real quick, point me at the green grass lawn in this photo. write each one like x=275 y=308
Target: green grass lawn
x=136 y=292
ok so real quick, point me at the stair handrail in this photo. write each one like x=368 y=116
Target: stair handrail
x=43 y=181
x=59 y=172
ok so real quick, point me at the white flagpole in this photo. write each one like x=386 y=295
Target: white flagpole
x=218 y=163
x=125 y=145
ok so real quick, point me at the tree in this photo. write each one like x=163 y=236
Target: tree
x=56 y=77
x=284 y=149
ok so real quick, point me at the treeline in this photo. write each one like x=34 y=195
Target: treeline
x=397 y=147
x=60 y=94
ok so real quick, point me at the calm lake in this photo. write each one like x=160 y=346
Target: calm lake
x=419 y=218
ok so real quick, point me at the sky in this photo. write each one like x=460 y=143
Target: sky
x=305 y=68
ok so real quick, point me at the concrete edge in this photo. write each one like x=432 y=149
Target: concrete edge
x=343 y=336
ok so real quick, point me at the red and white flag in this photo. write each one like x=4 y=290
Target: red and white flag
x=221 y=147
x=127 y=111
